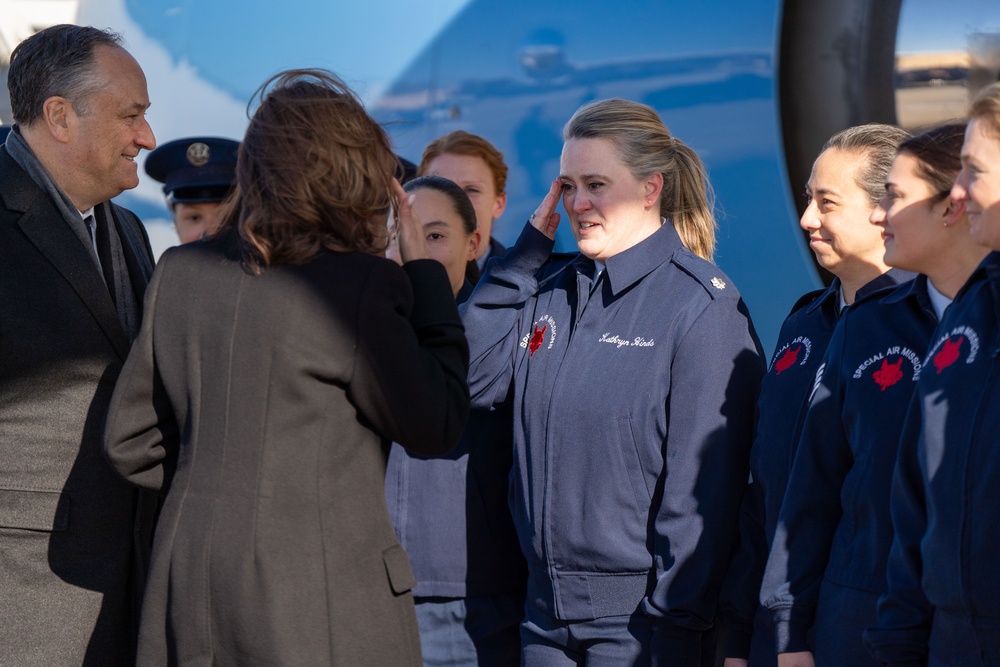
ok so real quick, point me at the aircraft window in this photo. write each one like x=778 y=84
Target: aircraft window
x=945 y=53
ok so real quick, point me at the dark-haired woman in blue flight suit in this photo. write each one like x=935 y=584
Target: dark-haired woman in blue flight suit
x=826 y=569
x=634 y=371
x=450 y=512
x=943 y=603
x=846 y=184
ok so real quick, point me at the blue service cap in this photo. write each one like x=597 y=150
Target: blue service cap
x=196 y=169
x=4 y=131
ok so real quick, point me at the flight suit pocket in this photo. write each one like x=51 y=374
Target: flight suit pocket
x=632 y=463
x=34 y=510
x=397 y=568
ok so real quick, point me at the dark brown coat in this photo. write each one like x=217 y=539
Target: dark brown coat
x=264 y=407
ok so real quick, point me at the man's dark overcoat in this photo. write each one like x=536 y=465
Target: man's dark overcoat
x=71 y=558
x=263 y=405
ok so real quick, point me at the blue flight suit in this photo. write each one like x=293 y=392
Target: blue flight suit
x=827 y=562
x=781 y=409
x=452 y=517
x=633 y=411
x=943 y=602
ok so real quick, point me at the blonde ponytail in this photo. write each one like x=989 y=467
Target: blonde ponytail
x=689 y=201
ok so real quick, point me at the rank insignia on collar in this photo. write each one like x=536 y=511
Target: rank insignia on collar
x=718 y=283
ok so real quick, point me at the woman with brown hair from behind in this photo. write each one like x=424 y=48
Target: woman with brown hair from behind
x=276 y=362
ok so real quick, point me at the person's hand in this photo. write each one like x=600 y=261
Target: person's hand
x=800 y=659
x=409 y=232
x=735 y=662
x=545 y=219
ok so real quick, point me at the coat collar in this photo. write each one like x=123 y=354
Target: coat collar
x=43 y=225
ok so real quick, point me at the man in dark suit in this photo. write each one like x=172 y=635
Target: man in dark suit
x=73 y=269
x=478 y=167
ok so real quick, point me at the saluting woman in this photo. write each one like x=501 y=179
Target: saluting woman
x=634 y=368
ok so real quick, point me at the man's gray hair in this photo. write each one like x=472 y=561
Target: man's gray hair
x=57 y=61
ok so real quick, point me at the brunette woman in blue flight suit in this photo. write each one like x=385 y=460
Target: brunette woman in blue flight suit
x=828 y=558
x=633 y=368
x=846 y=184
x=943 y=602
x=450 y=513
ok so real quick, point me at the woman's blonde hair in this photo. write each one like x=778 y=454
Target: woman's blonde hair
x=646 y=147
x=986 y=107
x=314 y=173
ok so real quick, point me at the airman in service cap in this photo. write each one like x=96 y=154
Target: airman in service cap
x=197 y=174
x=196 y=169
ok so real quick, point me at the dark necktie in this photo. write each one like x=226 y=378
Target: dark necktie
x=102 y=244
x=91 y=229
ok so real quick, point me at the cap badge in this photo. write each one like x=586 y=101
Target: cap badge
x=718 y=283
x=198 y=154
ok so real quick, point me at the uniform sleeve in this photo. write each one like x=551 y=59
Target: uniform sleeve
x=141 y=437
x=411 y=362
x=811 y=509
x=493 y=313
x=741 y=588
x=904 y=614
x=714 y=381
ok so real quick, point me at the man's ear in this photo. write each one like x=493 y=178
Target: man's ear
x=500 y=205
x=59 y=118
x=475 y=240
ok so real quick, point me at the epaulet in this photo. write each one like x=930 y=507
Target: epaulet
x=807 y=299
x=707 y=274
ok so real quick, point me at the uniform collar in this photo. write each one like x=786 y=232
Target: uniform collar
x=915 y=289
x=890 y=278
x=829 y=298
x=990 y=268
x=632 y=265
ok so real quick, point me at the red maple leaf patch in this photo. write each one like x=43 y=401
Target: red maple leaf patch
x=787 y=359
x=888 y=374
x=948 y=354
x=537 y=338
